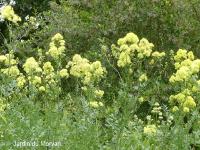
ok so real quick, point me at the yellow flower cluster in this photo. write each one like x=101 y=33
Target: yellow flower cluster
x=187 y=69
x=48 y=68
x=31 y=66
x=2 y=58
x=42 y=76
x=145 y=48
x=124 y=59
x=185 y=65
x=143 y=78
x=182 y=54
x=42 y=89
x=186 y=102
x=157 y=54
x=10 y=64
x=39 y=74
x=129 y=46
x=12 y=71
x=35 y=80
x=95 y=104
x=8 y=13
x=64 y=73
x=141 y=99
x=45 y=75
x=8 y=59
x=21 y=81
x=49 y=74
x=57 y=46
x=150 y=129
x=99 y=93
x=87 y=71
x=130 y=38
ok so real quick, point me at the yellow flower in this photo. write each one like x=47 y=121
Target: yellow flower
x=184 y=101
x=79 y=66
x=145 y=48
x=99 y=93
x=186 y=62
x=21 y=81
x=84 y=88
x=131 y=38
x=177 y=65
x=158 y=54
x=172 y=79
x=152 y=62
x=182 y=74
x=101 y=104
x=180 y=55
x=133 y=48
x=50 y=76
x=96 y=65
x=121 y=41
x=141 y=99
x=124 y=59
x=64 y=73
x=57 y=46
x=57 y=37
x=36 y=80
x=143 y=78
x=48 y=68
x=195 y=89
x=87 y=71
x=86 y=80
x=186 y=92
x=31 y=66
x=10 y=59
x=175 y=108
x=8 y=13
x=95 y=104
x=190 y=55
x=12 y=71
x=2 y=58
x=42 y=89
x=97 y=69
x=186 y=110
x=150 y=129
x=194 y=68
x=186 y=67
x=130 y=71
x=180 y=97
x=190 y=103
x=129 y=45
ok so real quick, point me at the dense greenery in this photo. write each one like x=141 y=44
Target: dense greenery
x=100 y=74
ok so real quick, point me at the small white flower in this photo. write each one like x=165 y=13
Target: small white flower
x=12 y=2
x=37 y=25
x=2 y=7
x=1 y=19
x=27 y=18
